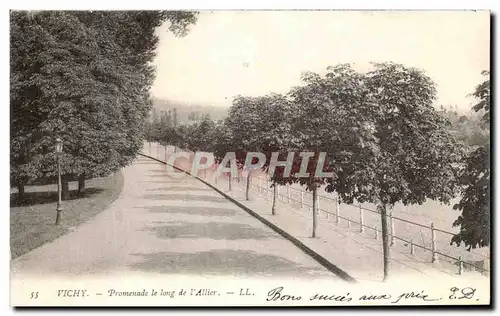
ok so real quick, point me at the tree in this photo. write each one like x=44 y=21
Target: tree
x=474 y=222
x=483 y=93
x=324 y=120
x=274 y=132
x=84 y=77
x=61 y=83
x=404 y=150
x=243 y=124
x=26 y=40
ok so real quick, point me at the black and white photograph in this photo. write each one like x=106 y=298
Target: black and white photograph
x=250 y=158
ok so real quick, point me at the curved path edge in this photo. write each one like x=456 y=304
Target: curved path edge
x=310 y=252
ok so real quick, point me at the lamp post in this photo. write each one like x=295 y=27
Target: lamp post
x=59 y=148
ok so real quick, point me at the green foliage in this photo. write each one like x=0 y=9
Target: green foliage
x=199 y=135
x=406 y=152
x=385 y=140
x=475 y=219
x=483 y=93
x=326 y=118
x=394 y=146
x=470 y=130
x=84 y=77
x=474 y=222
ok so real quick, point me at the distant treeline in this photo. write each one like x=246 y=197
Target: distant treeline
x=467 y=127
x=187 y=111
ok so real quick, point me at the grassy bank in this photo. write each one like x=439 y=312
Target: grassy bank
x=32 y=221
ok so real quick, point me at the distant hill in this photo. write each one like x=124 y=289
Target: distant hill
x=186 y=109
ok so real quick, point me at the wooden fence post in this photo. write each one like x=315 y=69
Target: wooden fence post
x=376 y=234
x=393 y=231
x=317 y=204
x=412 y=247
x=165 y=158
x=433 y=234
x=361 y=220
x=301 y=199
x=337 y=211
x=460 y=265
x=348 y=223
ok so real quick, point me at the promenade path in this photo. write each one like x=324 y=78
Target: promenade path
x=358 y=254
x=169 y=226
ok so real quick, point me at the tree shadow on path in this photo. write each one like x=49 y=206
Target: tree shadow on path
x=185 y=197
x=223 y=262
x=181 y=189
x=193 y=210
x=212 y=230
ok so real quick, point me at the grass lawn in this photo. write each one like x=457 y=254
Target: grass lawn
x=32 y=221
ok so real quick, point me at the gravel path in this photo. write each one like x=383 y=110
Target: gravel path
x=164 y=225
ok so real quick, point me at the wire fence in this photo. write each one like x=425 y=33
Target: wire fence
x=301 y=199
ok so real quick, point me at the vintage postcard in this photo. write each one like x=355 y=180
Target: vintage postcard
x=249 y=158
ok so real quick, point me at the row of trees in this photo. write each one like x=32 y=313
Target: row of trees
x=84 y=77
x=385 y=143
x=165 y=128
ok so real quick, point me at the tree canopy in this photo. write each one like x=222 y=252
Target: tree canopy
x=82 y=76
x=474 y=222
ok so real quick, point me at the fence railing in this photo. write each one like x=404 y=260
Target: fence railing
x=287 y=198
x=301 y=198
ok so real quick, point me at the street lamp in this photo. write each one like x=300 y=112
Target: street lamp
x=59 y=150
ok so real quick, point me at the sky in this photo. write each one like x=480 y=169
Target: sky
x=254 y=53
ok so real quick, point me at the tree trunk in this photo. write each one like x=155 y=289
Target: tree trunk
x=385 y=240
x=275 y=189
x=150 y=148
x=81 y=184
x=20 y=189
x=247 y=191
x=314 y=206
x=65 y=189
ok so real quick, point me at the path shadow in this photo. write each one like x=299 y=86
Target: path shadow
x=181 y=189
x=162 y=175
x=162 y=171
x=166 y=181
x=184 y=197
x=44 y=197
x=147 y=162
x=193 y=210
x=212 y=230
x=223 y=262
